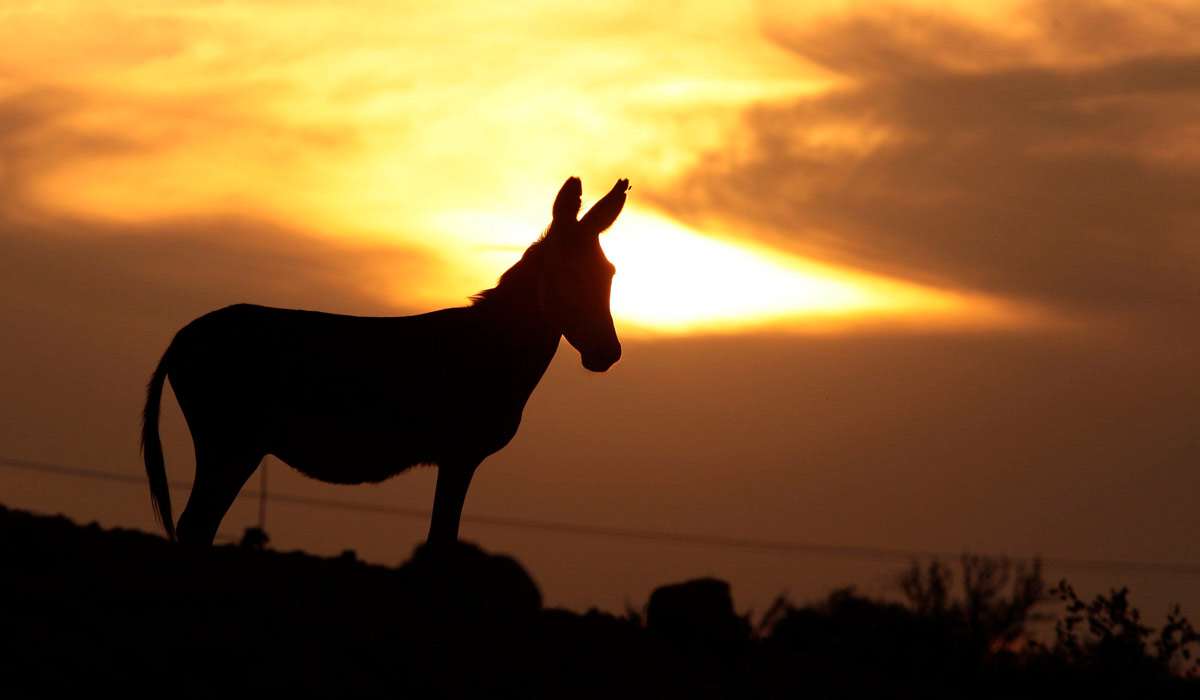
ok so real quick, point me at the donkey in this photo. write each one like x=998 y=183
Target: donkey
x=351 y=399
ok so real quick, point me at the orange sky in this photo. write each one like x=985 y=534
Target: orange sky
x=830 y=201
x=446 y=132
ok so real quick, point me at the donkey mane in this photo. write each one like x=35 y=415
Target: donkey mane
x=521 y=277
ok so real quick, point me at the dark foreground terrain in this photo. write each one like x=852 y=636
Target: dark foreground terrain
x=88 y=612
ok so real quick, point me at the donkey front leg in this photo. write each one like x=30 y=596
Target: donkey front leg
x=452 y=483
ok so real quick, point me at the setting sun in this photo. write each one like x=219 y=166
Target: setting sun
x=671 y=279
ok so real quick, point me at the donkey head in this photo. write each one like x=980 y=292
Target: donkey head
x=576 y=284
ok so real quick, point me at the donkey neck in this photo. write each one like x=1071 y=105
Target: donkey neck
x=514 y=310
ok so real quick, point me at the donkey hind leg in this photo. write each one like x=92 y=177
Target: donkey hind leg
x=220 y=474
x=448 y=497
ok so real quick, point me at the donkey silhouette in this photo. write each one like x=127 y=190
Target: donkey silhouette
x=351 y=399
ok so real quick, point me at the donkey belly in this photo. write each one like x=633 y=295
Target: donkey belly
x=349 y=449
x=358 y=449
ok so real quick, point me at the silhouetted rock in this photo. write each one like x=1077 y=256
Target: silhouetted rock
x=255 y=538
x=460 y=578
x=697 y=613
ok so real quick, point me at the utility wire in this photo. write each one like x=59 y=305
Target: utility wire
x=678 y=538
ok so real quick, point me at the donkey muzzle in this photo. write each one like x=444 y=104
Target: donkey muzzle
x=601 y=360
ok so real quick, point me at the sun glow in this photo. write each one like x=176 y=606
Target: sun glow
x=672 y=279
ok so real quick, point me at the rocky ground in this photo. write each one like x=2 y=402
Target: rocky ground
x=87 y=611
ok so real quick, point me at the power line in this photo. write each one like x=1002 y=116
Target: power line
x=76 y=471
x=666 y=537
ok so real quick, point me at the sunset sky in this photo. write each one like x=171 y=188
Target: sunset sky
x=911 y=275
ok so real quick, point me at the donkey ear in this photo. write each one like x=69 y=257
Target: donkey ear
x=568 y=201
x=604 y=213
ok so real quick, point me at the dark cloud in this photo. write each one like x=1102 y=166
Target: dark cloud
x=35 y=139
x=191 y=263
x=1101 y=29
x=965 y=163
x=78 y=266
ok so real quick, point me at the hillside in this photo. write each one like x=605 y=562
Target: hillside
x=86 y=609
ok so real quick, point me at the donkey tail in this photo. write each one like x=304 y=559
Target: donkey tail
x=152 y=453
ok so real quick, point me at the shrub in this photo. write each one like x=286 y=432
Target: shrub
x=1106 y=637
